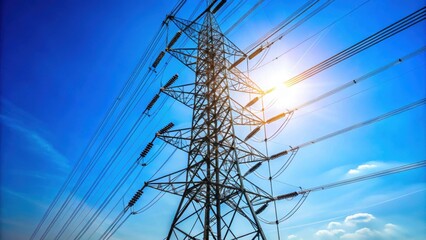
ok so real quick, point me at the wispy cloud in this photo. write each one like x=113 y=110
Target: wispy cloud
x=371 y=166
x=23 y=197
x=38 y=143
x=43 y=176
x=362 y=168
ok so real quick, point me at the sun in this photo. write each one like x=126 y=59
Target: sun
x=280 y=97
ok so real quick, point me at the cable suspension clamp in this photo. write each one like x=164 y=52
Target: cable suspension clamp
x=252 y=169
x=277 y=117
x=135 y=198
x=253 y=101
x=157 y=61
x=237 y=62
x=153 y=101
x=165 y=129
x=252 y=133
x=170 y=82
x=280 y=154
x=262 y=208
x=218 y=6
x=174 y=40
x=255 y=53
x=147 y=149
x=288 y=195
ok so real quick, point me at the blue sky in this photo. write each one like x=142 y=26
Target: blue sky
x=64 y=63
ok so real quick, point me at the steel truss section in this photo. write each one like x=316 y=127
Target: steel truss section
x=181 y=139
x=186 y=95
x=216 y=198
x=237 y=81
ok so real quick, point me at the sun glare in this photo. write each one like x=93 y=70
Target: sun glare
x=282 y=97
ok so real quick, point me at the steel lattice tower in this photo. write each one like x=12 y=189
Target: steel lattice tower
x=215 y=204
x=214 y=187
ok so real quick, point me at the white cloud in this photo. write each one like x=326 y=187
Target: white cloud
x=332 y=225
x=390 y=231
x=293 y=237
x=354 y=219
x=360 y=226
x=363 y=233
x=330 y=233
x=362 y=168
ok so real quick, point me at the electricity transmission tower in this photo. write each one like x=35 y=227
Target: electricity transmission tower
x=215 y=203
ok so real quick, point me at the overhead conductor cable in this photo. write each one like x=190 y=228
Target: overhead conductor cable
x=389 y=171
x=368 y=42
x=355 y=126
x=218 y=6
x=381 y=35
x=346 y=85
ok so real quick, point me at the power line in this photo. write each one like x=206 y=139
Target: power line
x=389 y=31
x=372 y=40
x=350 y=128
x=105 y=142
x=350 y=83
x=301 y=10
x=306 y=191
x=390 y=171
x=313 y=35
x=242 y=18
x=124 y=91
